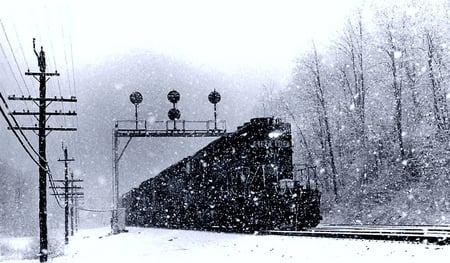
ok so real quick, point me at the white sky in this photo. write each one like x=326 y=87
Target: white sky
x=227 y=35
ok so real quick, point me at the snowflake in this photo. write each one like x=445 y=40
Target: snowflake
x=397 y=54
x=352 y=106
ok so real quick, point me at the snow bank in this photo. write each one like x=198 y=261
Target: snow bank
x=163 y=245
x=15 y=249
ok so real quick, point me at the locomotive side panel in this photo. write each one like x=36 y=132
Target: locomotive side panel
x=239 y=182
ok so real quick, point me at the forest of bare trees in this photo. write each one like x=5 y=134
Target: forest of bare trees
x=371 y=112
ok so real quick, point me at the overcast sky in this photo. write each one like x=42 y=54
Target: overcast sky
x=234 y=36
x=224 y=35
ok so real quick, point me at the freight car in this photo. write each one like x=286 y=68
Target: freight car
x=241 y=182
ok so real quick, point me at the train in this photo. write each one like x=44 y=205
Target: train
x=241 y=182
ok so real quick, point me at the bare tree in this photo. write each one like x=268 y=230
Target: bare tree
x=317 y=85
x=352 y=72
x=394 y=49
x=435 y=64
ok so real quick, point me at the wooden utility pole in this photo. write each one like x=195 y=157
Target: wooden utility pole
x=66 y=161
x=71 y=203
x=42 y=129
x=76 y=214
x=71 y=198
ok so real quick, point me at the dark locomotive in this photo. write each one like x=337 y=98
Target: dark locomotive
x=241 y=182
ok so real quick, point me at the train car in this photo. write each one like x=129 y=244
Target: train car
x=241 y=182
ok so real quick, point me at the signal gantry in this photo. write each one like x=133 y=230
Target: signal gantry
x=167 y=128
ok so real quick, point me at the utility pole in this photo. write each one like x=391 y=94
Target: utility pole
x=69 y=194
x=66 y=161
x=42 y=129
x=71 y=203
x=76 y=214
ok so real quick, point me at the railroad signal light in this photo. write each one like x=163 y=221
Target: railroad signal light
x=173 y=96
x=136 y=98
x=174 y=114
x=214 y=98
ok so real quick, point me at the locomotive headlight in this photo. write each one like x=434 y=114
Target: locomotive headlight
x=275 y=134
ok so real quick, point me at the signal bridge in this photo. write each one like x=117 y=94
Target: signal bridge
x=174 y=127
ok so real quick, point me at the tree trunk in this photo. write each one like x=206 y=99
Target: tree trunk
x=397 y=87
x=321 y=99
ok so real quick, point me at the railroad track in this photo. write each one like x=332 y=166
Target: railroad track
x=439 y=235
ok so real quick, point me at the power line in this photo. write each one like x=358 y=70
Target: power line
x=65 y=58
x=62 y=103
x=53 y=187
x=18 y=138
x=14 y=56
x=20 y=130
x=10 y=68
x=49 y=173
x=21 y=47
x=57 y=80
x=69 y=40
x=73 y=68
x=4 y=101
x=96 y=210
x=27 y=151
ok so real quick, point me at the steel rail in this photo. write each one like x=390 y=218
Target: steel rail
x=438 y=235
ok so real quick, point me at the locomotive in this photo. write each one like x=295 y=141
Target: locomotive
x=241 y=182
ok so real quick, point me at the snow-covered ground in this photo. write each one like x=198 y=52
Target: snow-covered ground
x=163 y=245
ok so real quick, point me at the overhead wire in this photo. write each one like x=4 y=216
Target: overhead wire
x=95 y=210
x=76 y=137
x=19 y=128
x=10 y=68
x=67 y=71
x=70 y=70
x=47 y=168
x=18 y=137
x=57 y=79
x=59 y=90
x=14 y=56
x=50 y=175
x=21 y=47
x=65 y=58
x=5 y=115
x=17 y=65
x=6 y=104
x=53 y=186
